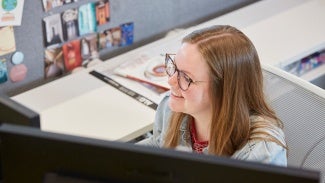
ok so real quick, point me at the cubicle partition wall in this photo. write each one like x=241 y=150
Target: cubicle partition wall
x=151 y=20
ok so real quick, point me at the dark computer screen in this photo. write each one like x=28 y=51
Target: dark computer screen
x=32 y=155
x=15 y=113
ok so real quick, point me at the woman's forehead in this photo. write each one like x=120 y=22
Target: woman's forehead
x=189 y=60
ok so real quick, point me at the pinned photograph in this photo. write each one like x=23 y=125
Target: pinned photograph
x=3 y=71
x=89 y=48
x=87 y=19
x=117 y=36
x=49 y=4
x=127 y=34
x=69 y=1
x=7 y=40
x=53 y=62
x=105 y=39
x=102 y=12
x=53 y=30
x=110 y=38
x=71 y=55
x=85 y=50
x=70 y=24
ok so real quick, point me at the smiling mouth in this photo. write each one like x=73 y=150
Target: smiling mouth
x=175 y=95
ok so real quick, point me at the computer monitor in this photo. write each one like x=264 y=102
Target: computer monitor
x=15 y=113
x=32 y=155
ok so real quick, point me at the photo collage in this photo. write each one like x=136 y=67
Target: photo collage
x=10 y=15
x=72 y=39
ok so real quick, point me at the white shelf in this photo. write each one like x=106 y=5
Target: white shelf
x=314 y=73
x=290 y=35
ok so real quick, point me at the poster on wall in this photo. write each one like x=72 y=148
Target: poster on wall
x=11 y=12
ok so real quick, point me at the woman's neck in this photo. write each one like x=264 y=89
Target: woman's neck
x=202 y=129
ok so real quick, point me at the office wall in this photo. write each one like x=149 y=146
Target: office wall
x=151 y=18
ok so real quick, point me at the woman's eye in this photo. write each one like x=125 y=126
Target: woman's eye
x=187 y=79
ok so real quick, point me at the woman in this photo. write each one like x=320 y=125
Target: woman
x=216 y=103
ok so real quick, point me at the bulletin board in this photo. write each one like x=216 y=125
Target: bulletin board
x=143 y=21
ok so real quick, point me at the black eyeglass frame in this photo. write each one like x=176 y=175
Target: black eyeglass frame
x=179 y=72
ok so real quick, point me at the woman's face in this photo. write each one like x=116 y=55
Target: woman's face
x=195 y=100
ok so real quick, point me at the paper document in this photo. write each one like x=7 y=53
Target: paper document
x=147 y=70
x=131 y=77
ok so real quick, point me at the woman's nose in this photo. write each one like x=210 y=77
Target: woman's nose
x=172 y=80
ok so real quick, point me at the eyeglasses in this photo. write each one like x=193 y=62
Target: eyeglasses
x=184 y=81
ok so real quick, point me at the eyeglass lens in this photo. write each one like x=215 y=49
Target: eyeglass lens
x=183 y=80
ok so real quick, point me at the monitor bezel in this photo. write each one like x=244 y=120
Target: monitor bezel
x=16 y=113
x=44 y=152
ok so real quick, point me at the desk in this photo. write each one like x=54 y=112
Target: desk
x=80 y=104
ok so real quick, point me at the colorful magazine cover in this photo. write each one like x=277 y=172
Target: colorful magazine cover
x=87 y=19
x=102 y=12
x=127 y=34
x=71 y=55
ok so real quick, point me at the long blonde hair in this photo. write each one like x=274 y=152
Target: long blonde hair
x=237 y=90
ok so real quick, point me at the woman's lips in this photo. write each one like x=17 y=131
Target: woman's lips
x=176 y=95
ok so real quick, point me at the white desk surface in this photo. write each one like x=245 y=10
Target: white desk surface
x=81 y=104
x=105 y=111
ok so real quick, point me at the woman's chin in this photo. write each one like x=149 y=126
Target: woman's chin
x=175 y=106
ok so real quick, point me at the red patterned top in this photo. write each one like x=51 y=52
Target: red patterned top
x=197 y=146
